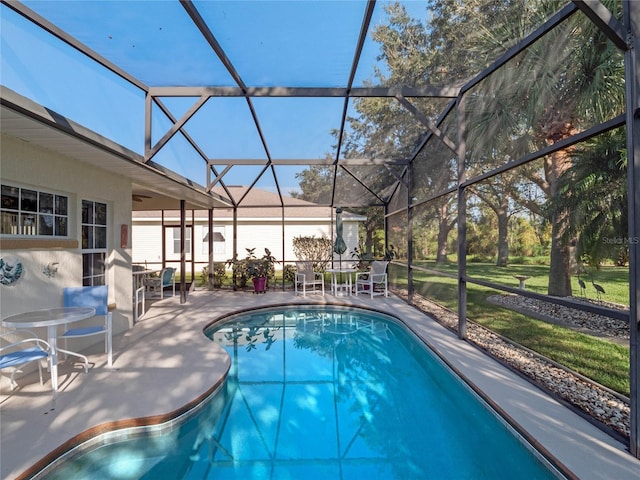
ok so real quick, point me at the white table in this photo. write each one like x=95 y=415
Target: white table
x=50 y=318
x=341 y=288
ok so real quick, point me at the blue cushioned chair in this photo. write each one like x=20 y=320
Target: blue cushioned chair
x=19 y=347
x=96 y=297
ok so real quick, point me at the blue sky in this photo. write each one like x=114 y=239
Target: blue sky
x=285 y=43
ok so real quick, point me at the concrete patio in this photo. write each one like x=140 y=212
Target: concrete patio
x=165 y=363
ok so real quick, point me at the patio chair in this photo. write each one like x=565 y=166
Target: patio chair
x=20 y=347
x=373 y=282
x=96 y=297
x=306 y=277
x=166 y=279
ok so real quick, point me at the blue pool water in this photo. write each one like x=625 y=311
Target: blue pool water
x=323 y=393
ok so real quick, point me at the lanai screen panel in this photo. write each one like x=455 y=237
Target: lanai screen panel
x=44 y=69
x=539 y=99
x=399 y=196
x=435 y=169
x=248 y=44
x=435 y=243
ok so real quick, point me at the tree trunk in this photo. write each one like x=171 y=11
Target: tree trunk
x=443 y=235
x=559 y=268
x=503 y=242
x=368 y=241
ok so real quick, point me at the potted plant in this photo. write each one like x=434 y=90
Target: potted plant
x=260 y=269
x=364 y=259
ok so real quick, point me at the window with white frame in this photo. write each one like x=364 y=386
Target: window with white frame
x=94 y=242
x=176 y=240
x=29 y=212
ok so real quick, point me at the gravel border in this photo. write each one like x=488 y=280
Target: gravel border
x=590 y=323
x=609 y=410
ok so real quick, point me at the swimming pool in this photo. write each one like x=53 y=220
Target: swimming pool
x=322 y=392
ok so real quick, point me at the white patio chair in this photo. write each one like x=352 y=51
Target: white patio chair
x=374 y=282
x=306 y=277
x=96 y=297
x=166 y=279
x=19 y=347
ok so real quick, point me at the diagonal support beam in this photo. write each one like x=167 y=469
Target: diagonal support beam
x=427 y=123
x=210 y=183
x=602 y=17
x=195 y=16
x=175 y=128
x=183 y=131
x=400 y=178
x=364 y=28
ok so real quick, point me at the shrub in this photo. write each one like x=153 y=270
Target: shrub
x=319 y=251
x=289 y=273
x=219 y=274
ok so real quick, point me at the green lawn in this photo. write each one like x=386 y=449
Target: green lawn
x=614 y=280
x=600 y=360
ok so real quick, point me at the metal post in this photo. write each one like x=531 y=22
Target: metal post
x=193 y=253
x=235 y=244
x=632 y=70
x=410 y=289
x=164 y=242
x=183 y=255
x=462 y=221
x=283 y=248
x=210 y=249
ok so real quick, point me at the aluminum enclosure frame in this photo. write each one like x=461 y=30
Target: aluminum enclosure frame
x=624 y=36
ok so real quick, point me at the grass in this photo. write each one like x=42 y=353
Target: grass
x=614 y=280
x=602 y=361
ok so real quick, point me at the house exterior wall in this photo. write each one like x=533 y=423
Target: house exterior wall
x=252 y=233
x=29 y=166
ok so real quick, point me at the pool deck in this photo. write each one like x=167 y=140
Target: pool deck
x=154 y=375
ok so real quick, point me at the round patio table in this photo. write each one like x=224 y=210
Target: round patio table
x=50 y=318
x=340 y=287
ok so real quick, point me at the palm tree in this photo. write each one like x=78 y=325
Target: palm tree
x=540 y=99
x=594 y=190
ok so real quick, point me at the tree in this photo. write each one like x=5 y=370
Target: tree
x=496 y=194
x=541 y=99
x=316 y=184
x=594 y=191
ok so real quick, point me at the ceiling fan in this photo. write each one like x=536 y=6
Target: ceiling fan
x=139 y=197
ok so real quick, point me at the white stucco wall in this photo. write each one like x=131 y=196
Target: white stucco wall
x=26 y=165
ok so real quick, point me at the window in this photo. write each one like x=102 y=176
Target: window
x=32 y=212
x=176 y=240
x=94 y=242
x=219 y=247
